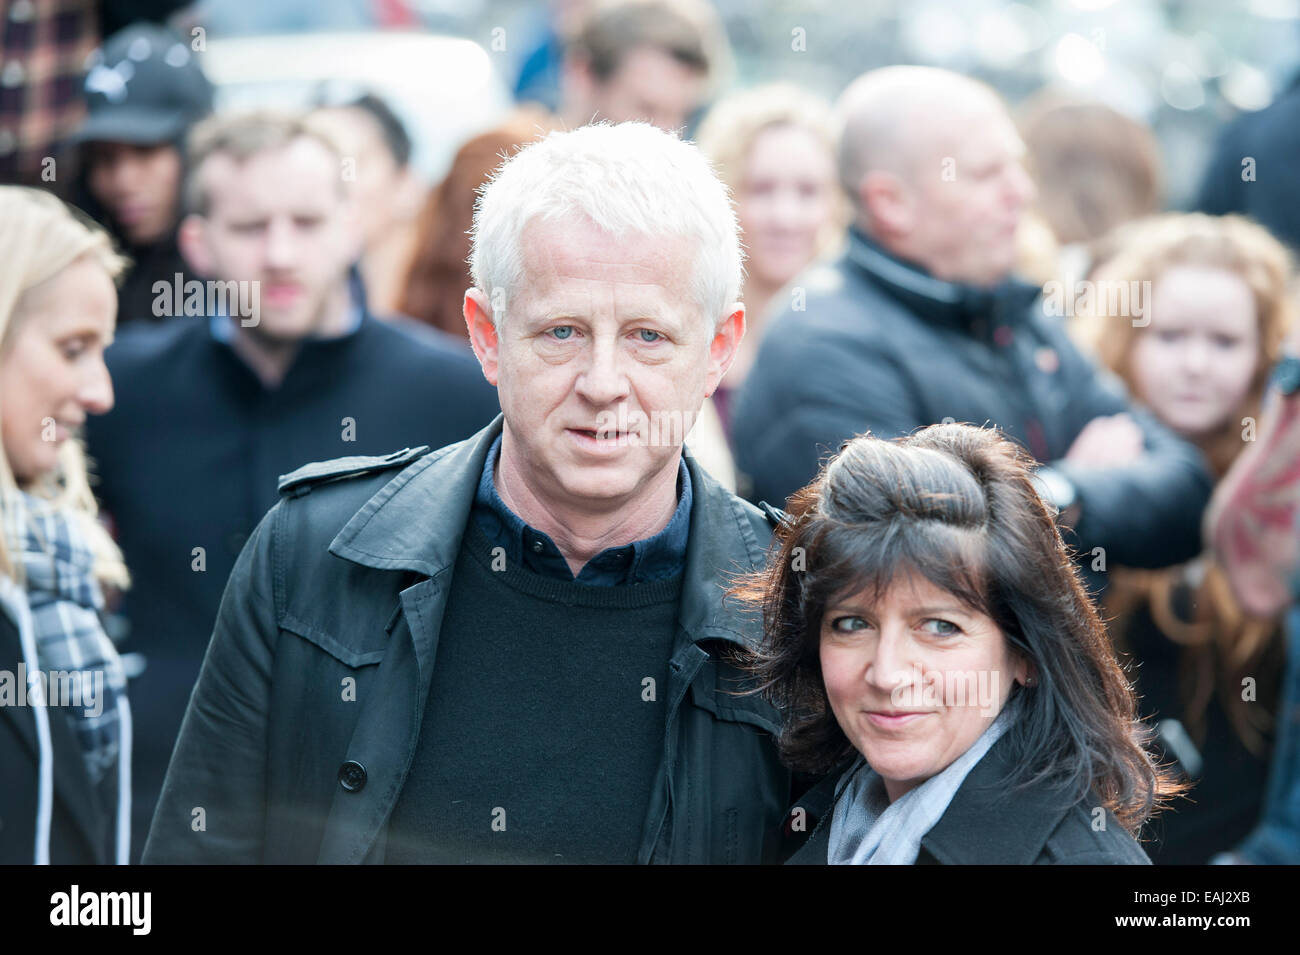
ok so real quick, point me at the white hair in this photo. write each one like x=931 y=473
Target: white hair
x=629 y=179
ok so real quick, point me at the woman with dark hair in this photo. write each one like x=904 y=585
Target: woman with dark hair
x=934 y=654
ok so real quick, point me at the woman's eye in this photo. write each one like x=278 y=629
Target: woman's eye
x=1225 y=342
x=562 y=332
x=848 y=624
x=648 y=336
x=942 y=628
x=72 y=350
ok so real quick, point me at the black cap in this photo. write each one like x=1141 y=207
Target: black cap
x=145 y=86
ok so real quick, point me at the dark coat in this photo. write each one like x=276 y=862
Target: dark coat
x=81 y=826
x=882 y=347
x=189 y=458
x=986 y=825
x=347 y=577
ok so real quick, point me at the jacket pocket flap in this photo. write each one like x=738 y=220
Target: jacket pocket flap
x=726 y=704
x=350 y=656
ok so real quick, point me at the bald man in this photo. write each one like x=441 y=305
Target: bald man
x=921 y=320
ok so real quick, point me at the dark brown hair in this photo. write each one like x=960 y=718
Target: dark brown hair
x=955 y=504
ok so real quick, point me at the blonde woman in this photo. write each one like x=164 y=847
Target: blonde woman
x=1216 y=313
x=774 y=147
x=65 y=727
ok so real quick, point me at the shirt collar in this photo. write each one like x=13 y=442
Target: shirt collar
x=655 y=558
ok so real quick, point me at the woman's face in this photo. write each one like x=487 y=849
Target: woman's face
x=915 y=678
x=1194 y=363
x=784 y=202
x=52 y=371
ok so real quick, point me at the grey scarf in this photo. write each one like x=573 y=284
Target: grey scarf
x=867 y=829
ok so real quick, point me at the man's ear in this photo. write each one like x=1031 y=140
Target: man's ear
x=725 y=344
x=483 y=336
x=191 y=239
x=887 y=203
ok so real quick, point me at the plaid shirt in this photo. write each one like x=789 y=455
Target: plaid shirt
x=44 y=46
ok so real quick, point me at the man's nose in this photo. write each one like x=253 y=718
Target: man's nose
x=96 y=393
x=281 y=244
x=603 y=381
x=1022 y=188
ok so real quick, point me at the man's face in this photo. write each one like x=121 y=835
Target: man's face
x=138 y=185
x=969 y=189
x=601 y=360
x=650 y=86
x=283 y=220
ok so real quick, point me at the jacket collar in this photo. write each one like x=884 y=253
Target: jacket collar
x=417 y=520
x=974 y=309
x=984 y=824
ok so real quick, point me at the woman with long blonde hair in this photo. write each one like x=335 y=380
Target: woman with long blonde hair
x=65 y=728
x=1215 y=309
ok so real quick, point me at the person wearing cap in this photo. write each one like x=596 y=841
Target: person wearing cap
x=143 y=94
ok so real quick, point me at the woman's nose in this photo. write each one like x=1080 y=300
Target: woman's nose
x=889 y=668
x=96 y=394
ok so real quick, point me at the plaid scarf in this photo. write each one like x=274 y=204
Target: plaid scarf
x=867 y=829
x=82 y=672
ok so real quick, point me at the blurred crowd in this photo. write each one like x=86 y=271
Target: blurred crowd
x=291 y=289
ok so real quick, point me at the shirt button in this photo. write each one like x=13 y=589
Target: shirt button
x=537 y=547
x=352 y=776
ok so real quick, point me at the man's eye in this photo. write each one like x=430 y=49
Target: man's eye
x=648 y=336
x=562 y=332
x=943 y=628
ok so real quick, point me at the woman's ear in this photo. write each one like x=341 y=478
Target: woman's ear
x=1025 y=673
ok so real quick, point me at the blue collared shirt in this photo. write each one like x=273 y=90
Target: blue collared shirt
x=655 y=558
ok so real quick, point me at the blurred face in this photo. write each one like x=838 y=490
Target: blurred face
x=52 y=371
x=785 y=202
x=138 y=185
x=377 y=173
x=650 y=86
x=601 y=361
x=1194 y=363
x=280 y=219
x=914 y=679
x=963 y=215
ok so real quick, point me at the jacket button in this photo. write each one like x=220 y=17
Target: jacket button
x=352 y=776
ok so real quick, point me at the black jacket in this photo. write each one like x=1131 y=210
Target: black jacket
x=81 y=825
x=885 y=348
x=347 y=578
x=1252 y=170
x=986 y=825
x=188 y=461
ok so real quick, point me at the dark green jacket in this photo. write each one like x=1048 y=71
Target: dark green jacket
x=303 y=724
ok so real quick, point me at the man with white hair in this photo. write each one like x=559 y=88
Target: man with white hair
x=514 y=649
x=921 y=321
